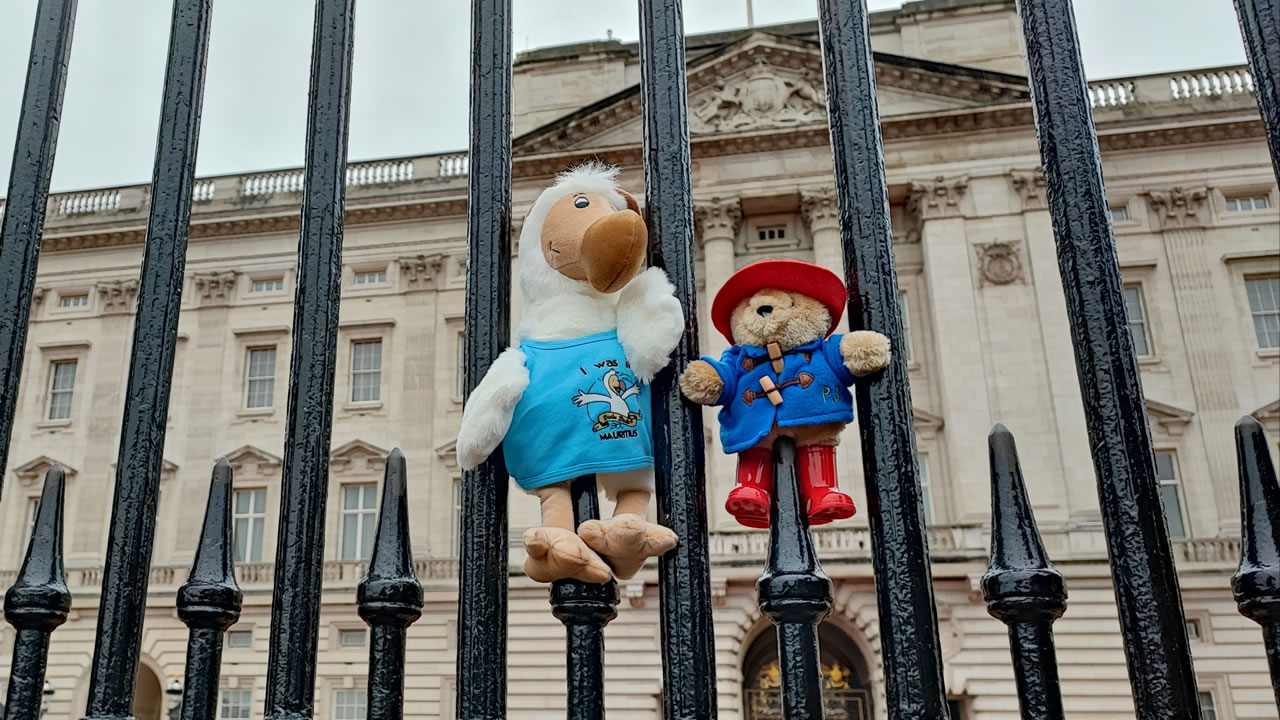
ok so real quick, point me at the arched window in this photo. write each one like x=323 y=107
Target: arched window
x=846 y=680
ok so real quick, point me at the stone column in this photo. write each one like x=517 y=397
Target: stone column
x=1077 y=483
x=936 y=209
x=1182 y=216
x=822 y=217
x=717 y=223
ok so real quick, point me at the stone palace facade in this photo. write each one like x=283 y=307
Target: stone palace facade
x=1194 y=207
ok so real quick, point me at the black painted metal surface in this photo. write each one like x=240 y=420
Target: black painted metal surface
x=1147 y=594
x=209 y=601
x=1260 y=26
x=585 y=608
x=482 y=586
x=22 y=226
x=390 y=597
x=904 y=584
x=793 y=591
x=1256 y=583
x=37 y=603
x=295 y=614
x=684 y=574
x=155 y=335
x=1021 y=587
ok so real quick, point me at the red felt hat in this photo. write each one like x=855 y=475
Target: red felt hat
x=795 y=276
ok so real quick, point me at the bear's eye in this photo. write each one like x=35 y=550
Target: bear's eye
x=581 y=202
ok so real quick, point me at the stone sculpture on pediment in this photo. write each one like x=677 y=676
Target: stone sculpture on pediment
x=763 y=98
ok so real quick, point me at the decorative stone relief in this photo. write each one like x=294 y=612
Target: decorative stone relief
x=37 y=295
x=999 y=263
x=215 y=288
x=117 y=295
x=357 y=456
x=937 y=198
x=1029 y=184
x=820 y=209
x=421 y=272
x=263 y=462
x=31 y=473
x=718 y=219
x=764 y=97
x=1179 y=207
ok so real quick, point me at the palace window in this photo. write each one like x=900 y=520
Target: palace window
x=371 y=277
x=62 y=383
x=1247 y=203
x=1264 y=305
x=1208 y=708
x=267 y=285
x=260 y=378
x=73 y=301
x=33 y=509
x=351 y=638
x=1193 y=629
x=926 y=489
x=235 y=705
x=248 y=518
x=1136 y=312
x=239 y=639
x=774 y=232
x=1170 y=493
x=366 y=371
x=349 y=705
x=359 y=520
x=1119 y=214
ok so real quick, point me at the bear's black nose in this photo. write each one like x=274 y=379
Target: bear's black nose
x=764 y=310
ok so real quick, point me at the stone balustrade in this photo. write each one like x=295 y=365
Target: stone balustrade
x=1166 y=87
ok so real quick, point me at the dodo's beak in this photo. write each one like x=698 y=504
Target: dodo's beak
x=613 y=249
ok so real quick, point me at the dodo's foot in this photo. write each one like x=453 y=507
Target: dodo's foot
x=626 y=541
x=558 y=554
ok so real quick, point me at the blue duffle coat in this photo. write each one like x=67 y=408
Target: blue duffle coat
x=814 y=385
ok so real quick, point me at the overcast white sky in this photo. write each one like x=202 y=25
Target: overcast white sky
x=410 y=86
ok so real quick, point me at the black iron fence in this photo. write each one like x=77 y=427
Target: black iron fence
x=1022 y=587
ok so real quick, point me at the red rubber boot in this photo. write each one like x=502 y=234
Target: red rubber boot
x=749 y=501
x=819 y=485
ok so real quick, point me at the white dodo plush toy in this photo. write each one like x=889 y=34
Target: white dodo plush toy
x=573 y=397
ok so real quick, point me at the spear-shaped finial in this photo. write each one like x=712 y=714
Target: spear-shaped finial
x=39 y=599
x=210 y=597
x=391 y=592
x=1256 y=583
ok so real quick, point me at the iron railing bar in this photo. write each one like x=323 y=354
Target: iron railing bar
x=482 y=585
x=1256 y=582
x=295 y=606
x=209 y=601
x=1021 y=587
x=1260 y=27
x=22 y=222
x=155 y=336
x=684 y=574
x=793 y=591
x=584 y=608
x=1145 y=582
x=390 y=596
x=38 y=602
x=904 y=586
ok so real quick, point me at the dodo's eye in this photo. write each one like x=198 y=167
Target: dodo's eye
x=581 y=202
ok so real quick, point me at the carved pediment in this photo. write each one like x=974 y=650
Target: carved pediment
x=926 y=423
x=449 y=453
x=32 y=472
x=1268 y=414
x=249 y=460
x=763 y=82
x=357 y=456
x=1173 y=419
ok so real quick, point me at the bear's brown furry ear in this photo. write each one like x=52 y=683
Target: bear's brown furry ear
x=631 y=201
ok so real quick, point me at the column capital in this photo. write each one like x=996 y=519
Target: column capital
x=215 y=288
x=717 y=218
x=421 y=272
x=820 y=208
x=937 y=198
x=1029 y=184
x=1179 y=207
x=117 y=295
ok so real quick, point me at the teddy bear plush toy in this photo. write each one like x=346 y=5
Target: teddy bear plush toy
x=573 y=397
x=784 y=376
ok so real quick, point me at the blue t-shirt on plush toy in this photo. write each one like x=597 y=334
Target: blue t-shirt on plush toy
x=814 y=385
x=582 y=413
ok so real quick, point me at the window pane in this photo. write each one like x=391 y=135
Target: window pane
x=259 y=501
x=261 y=378
x=351 y=638
x=350 y=498
x=235 y=705
x=1165 y=470
x=256 y=555
x=240 y=537
x=61 y=386
x=349 y=705
x=1264 y=294
x=1208 y=709
x=1172 y=510
x=367 y=526
x=350 y=528
x=926 y=491
x=240 y=639
x=904 y=311
x=1260 y=202
x=370 y=496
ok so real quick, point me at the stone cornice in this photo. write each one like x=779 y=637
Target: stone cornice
x=1180 y=207
x=718 y=218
